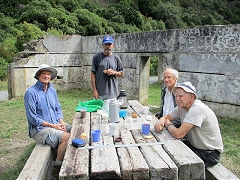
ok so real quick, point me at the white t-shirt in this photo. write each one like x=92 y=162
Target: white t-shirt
x=168 y=105
x=205 y=133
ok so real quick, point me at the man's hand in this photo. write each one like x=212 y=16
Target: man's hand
x=95 y=94
x=59 y=127
x=63 y=127
x=159 y=125
x=110 y=72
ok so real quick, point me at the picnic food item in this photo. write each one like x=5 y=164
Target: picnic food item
x=83 y=136
x=148 y=136
x=134 y=115
x=118 y=139
x=105 y=71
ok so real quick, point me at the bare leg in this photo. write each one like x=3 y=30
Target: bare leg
x=62 y=146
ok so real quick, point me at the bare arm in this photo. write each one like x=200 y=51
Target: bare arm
x=180 y=132
x=160 y=124
x=93 y=80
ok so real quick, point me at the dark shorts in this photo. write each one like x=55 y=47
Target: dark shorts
x=51 y=136
x=209 y=157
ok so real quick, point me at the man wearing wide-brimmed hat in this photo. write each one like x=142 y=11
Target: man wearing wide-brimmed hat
x=44 y=113
x=199 y=124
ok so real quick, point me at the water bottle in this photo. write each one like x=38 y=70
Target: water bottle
x=122 y=99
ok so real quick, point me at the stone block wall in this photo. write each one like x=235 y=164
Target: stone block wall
x=208 y=56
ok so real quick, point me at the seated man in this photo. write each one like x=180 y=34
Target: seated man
x=44 y=114
x=199 y=123
x=170 y=77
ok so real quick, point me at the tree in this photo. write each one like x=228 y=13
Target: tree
x=169 y=14
x=26 y=33
x=36 y=12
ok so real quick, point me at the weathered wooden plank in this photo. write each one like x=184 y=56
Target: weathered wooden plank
x=190 y=166
x=160 y=164
x=104 y=161
x=76 y=162
x=125 y=162
x=140 y=169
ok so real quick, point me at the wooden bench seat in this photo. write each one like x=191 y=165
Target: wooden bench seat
x=37 y=164
x=219 y=172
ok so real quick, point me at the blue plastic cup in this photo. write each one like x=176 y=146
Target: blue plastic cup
x=145 y=128
x=96 y=134
x=123 y=113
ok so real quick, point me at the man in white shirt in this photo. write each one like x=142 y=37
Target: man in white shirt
x=199 y=123
x=170 y=77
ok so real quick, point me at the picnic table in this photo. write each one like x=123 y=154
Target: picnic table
x=161 y=156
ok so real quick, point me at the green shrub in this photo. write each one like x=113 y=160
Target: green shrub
x=154 y=66
x=37 y=12
x=11 y=49
x=123 y=28
x=3 y=69
x=26 y=33
x=170 y=14
x=90 y=23
x=7 y=27
x=52 y=31
x=71 y=5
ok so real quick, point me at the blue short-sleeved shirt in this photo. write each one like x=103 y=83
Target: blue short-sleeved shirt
x=41 y=106
x=107 y=85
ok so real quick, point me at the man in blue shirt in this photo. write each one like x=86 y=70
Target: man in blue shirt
x=44 y=114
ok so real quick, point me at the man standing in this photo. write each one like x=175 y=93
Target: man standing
x=170 y=77
x=106 y=67
x=199 y=123
x=44 y=114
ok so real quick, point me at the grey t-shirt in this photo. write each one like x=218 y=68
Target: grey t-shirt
x=107 y=85
x=205 y=133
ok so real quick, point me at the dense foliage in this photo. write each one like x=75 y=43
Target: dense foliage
x=24 y=20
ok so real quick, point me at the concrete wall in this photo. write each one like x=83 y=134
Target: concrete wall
x=208 y=56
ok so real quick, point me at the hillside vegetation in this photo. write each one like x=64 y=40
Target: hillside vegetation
x=24 y=20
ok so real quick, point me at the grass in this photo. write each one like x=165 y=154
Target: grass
x=3 y=85
x=14 y=131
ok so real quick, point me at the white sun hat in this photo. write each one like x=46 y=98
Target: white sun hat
x=187 y=87
x=46 y=67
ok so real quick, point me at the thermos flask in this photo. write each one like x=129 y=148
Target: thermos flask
x=113 y=111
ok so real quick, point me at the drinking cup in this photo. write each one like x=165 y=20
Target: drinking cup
x=145 y=128
x=123 y=113
x=83 y=112
x=96 y=134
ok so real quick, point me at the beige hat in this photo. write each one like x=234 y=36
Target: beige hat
x=187 y=87
x=46 y=67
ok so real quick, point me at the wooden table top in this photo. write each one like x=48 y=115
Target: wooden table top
x=170 y=160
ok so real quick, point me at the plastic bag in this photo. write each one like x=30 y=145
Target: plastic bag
x=92 y=105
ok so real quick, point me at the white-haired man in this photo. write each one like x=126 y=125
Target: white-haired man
x=199 y=123
x=44 y=114
x=170 y=77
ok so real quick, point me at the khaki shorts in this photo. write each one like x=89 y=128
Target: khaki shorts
x=51 y=136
